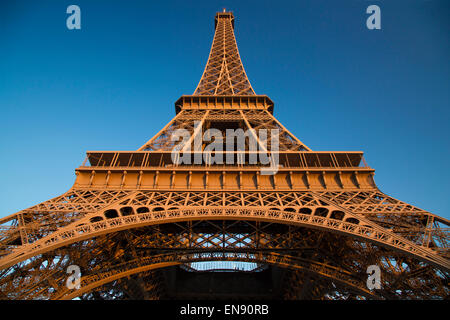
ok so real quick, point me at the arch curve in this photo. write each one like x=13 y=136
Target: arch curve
x=84 y=229
x=143 y=264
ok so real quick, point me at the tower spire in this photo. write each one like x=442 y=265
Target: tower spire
x=224 y=73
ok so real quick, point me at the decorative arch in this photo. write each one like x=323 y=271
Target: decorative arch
x=85 y=229
x=143 y=264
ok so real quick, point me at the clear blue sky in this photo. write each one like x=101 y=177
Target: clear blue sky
x=336 y=85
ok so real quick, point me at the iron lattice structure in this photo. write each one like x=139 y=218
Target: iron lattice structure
x=138 y=223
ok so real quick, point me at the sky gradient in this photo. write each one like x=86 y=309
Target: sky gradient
x=336 y=85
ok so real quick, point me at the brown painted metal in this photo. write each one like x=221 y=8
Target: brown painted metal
x=224 y=73
x=133 y=218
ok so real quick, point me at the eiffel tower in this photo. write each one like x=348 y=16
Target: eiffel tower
x=141 y=225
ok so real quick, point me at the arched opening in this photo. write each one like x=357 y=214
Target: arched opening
x=289 y=209
x=321 y=212
x=111 y=214
x=305 y=211
x=126 y=211
x=158 y=209
x=95 y=219
x=212 y=266
x=237 y=235
x=142 y=210
x=338 y=215
x=352 y=220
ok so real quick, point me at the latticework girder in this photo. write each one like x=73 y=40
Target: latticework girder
x=134 y=220
x=224 y=73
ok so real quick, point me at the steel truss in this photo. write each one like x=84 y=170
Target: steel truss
x=134 y=219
